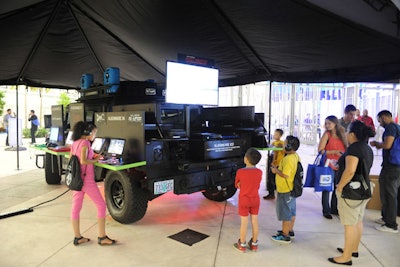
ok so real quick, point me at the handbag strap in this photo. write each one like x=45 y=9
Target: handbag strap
x=80 y=143
x=320 y=158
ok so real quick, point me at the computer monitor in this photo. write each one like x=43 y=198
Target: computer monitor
x=116 y=147
x=69 y=140
x=53 y=138
x=97 y=144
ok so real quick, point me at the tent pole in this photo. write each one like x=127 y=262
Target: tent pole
x=16 y=97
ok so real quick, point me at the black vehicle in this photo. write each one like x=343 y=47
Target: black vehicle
x=167 y=147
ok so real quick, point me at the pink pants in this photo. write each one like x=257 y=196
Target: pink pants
x=90 y=188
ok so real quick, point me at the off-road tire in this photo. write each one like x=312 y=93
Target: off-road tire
x=220 y=195
x=126 y=201
x=51 y=170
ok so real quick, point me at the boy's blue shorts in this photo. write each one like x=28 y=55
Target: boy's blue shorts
x=285 y=206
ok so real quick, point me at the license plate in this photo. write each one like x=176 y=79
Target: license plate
x=163 y=186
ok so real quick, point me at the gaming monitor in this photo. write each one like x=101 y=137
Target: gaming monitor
x=53 y=138
x=116 y=146
x=97 y=144
x=190 y=84
x=69 y=140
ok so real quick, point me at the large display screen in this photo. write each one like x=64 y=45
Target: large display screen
x=116 y=146
x=189 y=84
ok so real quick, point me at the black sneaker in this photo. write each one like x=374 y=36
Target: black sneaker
x=291 y=234
x=269 y=197
x=281 y=239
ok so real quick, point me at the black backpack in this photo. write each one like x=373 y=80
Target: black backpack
x=73 y=177
x=298 y=181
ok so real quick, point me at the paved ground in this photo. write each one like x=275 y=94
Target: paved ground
x=43 y=237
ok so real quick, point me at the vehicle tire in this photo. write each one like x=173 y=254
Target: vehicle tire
x=51 y=171
x=126 y=201
x=220 y=194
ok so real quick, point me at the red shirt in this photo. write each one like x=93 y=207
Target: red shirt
x=368 y=121
x=249 y=179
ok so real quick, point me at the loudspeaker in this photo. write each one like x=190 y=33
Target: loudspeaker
x=86 y=81
x=111 y=76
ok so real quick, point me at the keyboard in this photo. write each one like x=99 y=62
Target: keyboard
x=60 y=148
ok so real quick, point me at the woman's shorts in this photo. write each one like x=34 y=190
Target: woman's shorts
x=350 y=211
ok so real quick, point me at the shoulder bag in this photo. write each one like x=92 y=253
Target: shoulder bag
x=359 y=187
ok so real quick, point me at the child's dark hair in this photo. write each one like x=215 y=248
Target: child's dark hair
x=253 y=156
x=280 y=131
x=82 y=128
x=361 y=131
x=293 y=143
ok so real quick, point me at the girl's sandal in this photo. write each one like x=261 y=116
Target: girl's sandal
x=100 y=239
x=80 y=240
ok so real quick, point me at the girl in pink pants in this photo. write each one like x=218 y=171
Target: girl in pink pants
x=83 y=133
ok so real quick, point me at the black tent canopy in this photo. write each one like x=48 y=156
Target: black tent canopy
x=52 y=43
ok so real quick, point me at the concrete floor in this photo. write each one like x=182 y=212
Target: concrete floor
x=44 y=237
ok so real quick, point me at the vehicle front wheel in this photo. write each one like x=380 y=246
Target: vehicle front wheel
x=126 y=201
x=220 y=193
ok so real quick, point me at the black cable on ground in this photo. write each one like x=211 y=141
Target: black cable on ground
x=15 y=213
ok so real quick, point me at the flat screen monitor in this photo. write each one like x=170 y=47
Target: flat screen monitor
x=190 y=84
x=116 y=146
x=53 y=138
x=69 y=140
x=97 y=144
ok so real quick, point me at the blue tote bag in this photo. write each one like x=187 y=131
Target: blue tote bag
x=319 y=176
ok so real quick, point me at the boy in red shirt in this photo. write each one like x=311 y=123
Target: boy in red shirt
x=248 y=181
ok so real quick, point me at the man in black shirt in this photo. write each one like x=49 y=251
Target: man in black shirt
x=34 y=125
x=389 y=178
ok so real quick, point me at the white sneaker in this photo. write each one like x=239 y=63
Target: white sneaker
x=384 y=228
x=379 y=221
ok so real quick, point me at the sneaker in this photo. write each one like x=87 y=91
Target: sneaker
x=384 y=228
x=291 y=234
x=380 y=221
x=281 y=239
x=269 y=197
x=241 y=247
x=253 y=246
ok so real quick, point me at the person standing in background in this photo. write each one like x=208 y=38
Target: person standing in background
x=349 y=114
x=34 y=125
x=389 y=178
x=333 y=143
x=358 y=115
x=6 y=117
x=367 y=120
x=274 y=159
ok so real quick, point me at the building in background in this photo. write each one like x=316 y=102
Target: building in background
x=292 y=103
